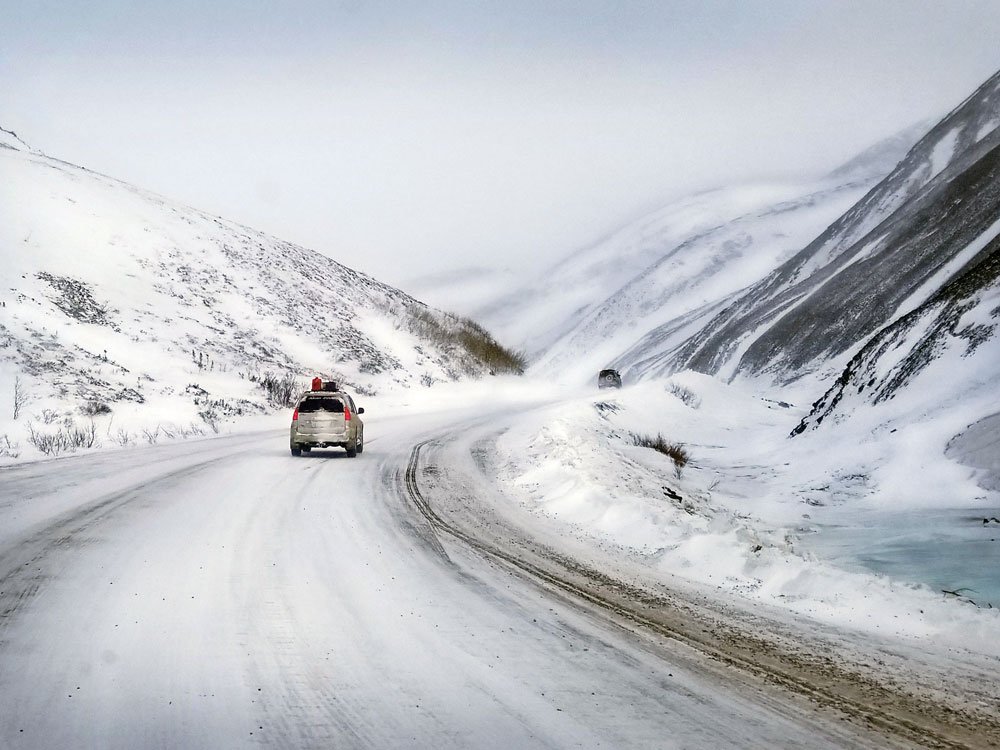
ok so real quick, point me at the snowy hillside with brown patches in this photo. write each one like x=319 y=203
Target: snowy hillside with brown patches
x=116 y=301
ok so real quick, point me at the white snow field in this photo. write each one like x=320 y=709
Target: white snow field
x=440 y=591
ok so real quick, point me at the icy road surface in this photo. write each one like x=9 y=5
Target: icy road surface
x=222 y=594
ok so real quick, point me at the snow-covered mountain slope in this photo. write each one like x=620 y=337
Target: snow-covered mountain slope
x=893 y=311
x=593 y=306
x=686 y=259
x=9 y=139
x=883 y=258
x=948 y=347
x=589 y=308
x=112 y=297
x=465 y=291
x=883 y=157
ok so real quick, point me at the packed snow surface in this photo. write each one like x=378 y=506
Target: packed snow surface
x=745 y=512
x=220 y=593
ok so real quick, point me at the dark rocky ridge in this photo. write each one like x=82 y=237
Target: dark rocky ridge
x=851 y=280
x=865 y=376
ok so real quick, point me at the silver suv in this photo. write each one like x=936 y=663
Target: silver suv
x=326 y=419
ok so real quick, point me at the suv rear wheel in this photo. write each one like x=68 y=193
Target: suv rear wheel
x=296 y=451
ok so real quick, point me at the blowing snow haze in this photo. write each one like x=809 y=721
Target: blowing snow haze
x=405 y=139
x=782 y=530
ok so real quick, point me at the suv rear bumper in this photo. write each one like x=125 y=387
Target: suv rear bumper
x=319 y=439
x=317 y=444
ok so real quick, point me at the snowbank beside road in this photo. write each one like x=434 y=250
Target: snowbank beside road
x=735 y=517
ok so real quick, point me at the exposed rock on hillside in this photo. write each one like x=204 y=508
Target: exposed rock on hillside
x=889 y=253
x=963 y=315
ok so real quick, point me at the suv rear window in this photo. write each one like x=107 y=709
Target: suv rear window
x=321 y=404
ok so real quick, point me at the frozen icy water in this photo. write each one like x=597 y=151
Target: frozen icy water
x=950 y=550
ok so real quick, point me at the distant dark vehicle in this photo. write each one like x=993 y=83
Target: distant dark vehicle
x=609 y=379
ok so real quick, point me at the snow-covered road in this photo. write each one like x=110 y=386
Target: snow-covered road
x=221 y=593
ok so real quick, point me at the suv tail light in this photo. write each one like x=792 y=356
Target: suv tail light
x=347 y=413
x=295 y=415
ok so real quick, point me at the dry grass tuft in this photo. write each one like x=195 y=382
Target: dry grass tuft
x=448 y=330
x=676 y=452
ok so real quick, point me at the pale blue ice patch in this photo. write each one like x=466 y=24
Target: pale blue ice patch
x=950 y=550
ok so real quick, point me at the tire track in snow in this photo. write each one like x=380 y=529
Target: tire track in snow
x=864 y=701
x=306 y=709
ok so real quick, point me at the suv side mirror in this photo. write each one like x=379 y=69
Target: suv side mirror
x=361 y=410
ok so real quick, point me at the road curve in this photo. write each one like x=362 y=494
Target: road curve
x=222 y=594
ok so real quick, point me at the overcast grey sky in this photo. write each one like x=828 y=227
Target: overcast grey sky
x=407 y=137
